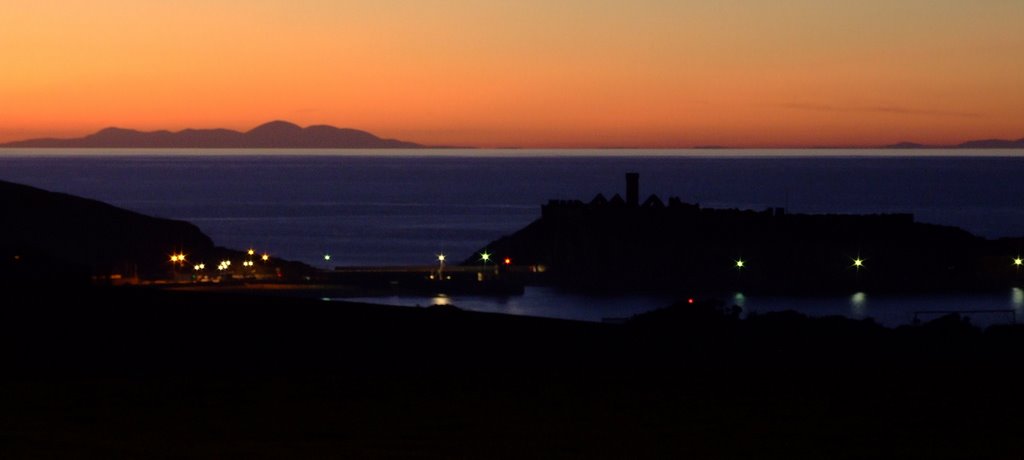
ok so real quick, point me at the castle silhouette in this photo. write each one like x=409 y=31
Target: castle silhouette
x=625 y=244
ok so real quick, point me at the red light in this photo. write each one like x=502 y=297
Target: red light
x=690 y=300
x=508 y=261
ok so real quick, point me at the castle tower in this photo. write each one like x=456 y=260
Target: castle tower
x=633 y=189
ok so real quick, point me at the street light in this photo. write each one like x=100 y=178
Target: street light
x=265 y=257
x=484 y=256
x=177 y=260
x=251 y=251
x=858 y=263
x=740 y=264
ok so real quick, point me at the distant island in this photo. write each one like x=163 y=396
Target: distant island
x=276 y=134
x=976 y=144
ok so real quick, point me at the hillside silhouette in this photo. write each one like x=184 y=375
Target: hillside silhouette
x=275 y=134
x=48 y=237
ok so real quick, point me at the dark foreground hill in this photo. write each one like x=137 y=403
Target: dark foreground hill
x=276 y=134
x=135 y=373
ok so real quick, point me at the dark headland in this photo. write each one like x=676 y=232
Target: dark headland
x=275 y=134
x=98 y=371
x=51 y=238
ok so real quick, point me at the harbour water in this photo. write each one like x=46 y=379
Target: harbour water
x=1002 y=307
x=404 y=207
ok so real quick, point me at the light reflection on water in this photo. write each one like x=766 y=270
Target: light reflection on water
x=889 y=310
x=537 y=301
x=858 y=305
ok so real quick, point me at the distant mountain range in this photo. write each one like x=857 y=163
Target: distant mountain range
x=286 y=135
x=276 y=134
x=978 y=144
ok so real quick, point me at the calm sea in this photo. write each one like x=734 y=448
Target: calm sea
x=404 y=207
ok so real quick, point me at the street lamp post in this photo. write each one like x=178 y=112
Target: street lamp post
x=858 y=264
x=486 y=258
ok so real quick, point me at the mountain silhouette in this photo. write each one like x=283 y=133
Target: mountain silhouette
x=976 y=144
x=993 y=144
x=276 y=134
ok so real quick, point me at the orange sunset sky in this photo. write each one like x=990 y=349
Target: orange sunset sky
x=570 y=73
